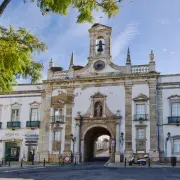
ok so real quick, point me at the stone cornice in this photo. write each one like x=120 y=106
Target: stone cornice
x=97 y=79
x=24 y=92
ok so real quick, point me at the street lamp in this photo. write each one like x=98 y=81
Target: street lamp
x=73 y=140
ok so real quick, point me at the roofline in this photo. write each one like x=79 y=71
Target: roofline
x=166 y=75
x=27 y=84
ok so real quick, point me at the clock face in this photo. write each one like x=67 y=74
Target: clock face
x=99 y=65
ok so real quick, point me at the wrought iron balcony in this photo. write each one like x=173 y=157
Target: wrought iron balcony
x=33 y=124
x=57 y=119
x=141 y=117
x=173 y=119
x=14 y=124
x=0 y=125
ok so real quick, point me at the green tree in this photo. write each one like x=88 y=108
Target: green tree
x=16 y=48
x=85 y=7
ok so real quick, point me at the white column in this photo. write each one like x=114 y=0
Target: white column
x=77 y=142
x=77 y=137
x=117 y=153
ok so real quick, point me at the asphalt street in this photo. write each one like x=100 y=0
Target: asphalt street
x=91 y=171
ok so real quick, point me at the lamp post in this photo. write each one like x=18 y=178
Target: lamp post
x=73 y=140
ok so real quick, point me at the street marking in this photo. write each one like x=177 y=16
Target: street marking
x=23 y=169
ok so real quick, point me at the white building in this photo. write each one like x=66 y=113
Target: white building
x=169 y=115
x=19 y=117
x=129 y=103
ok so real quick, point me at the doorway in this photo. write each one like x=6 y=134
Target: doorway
x=12 y=151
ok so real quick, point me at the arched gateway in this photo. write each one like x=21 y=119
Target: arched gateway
x=90 y=135
x=92 y=125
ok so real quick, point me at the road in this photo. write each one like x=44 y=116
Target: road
x=91 y=171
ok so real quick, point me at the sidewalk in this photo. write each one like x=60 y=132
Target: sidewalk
x=152 y=165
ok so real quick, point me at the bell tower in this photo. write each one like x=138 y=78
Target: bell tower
x=100 y=42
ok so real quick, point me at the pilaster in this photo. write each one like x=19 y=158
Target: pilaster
x=68 y=121
x=160 y=121
x=44 y=132
x=128 y=119
x=153 y=153
x=117 y=153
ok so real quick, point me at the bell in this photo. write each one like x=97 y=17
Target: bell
x=100 y=46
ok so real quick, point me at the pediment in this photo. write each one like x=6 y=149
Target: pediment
x=35 y=103
x=58 y=103
x=62 y=98
x=16 y=104
x=98 y=95
x=174 y=97
x=141 y=97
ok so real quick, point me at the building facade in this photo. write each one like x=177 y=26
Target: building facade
x=133 y=104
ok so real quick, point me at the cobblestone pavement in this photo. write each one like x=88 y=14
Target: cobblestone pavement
x=91 y=171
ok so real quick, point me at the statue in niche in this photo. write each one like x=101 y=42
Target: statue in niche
x=97 y=109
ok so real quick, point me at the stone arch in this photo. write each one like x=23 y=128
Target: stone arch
x=97 y=125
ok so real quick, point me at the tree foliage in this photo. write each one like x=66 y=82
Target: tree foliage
x=16 y=47
x=84 y=7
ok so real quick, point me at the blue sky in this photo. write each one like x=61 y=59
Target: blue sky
x=142 y=25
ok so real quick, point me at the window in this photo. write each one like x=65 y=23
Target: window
x=57 y=136
x=140 y=108
x=140 y=133
x=34 y=114
x=140 y=111
x=15 y=115
x=176 y=146
x=175 y=109
x=58 y=112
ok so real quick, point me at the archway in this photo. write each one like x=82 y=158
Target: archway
x=90 y=139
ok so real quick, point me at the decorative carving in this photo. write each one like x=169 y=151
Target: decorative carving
x=141 y=97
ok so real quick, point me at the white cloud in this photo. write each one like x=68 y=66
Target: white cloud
x=123 y=39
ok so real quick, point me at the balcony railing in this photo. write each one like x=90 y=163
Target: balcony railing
x=57 y=119
x=140 y=117
x=0 y=125
x=14 y=124
x=33 y=124
x=174 y=119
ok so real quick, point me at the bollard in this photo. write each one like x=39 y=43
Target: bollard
x=59 y=161
x=2 y=161
x=125 y=162
x=63 y=162
x=74 y=160
x=21 y=162
x=149 y=162
x=44 y=162
x=9 y=162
